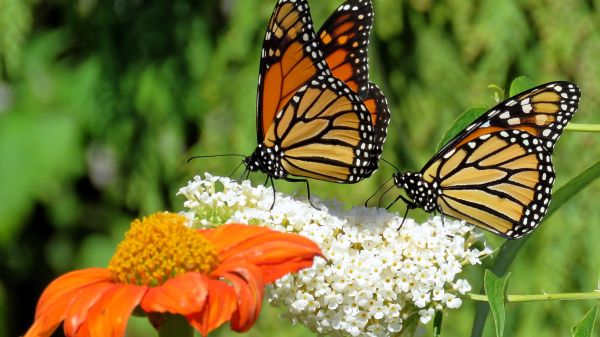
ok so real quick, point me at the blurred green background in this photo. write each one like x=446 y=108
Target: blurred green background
x=102 y=102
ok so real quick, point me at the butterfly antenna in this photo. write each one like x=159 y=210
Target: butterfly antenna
x=378 y=189
x=217 y=155
x=243 y=176
x=383 y=195
x=392 y=165
x=234 y=171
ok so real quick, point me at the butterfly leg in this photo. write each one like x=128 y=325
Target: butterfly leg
x=405 y=215
x=409 y=204
x=442 y=215
x=307 y=188
x=273 y=187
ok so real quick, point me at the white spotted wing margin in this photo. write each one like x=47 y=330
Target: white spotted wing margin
x=381 y=116
x=325 y=132
x=543 y=112
x=344 y=40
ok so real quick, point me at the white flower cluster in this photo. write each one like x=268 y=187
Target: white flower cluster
x=376 y=275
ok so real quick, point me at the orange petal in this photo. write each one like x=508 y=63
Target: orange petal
x=84 y=330
x=77 y=311
x=274 y=252
x=42 y=328
x=55 y=311
x=182 y=295
x=54 y=314
x=109 y=316
x=68 y=283
x=249 y=287
x=220 y=304
x=227 y=236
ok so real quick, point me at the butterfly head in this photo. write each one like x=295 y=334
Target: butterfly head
x=267 y=160
x=423 y=193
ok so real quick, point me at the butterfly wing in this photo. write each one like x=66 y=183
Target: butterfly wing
x=498 y=173
x=344 y=40
x=325 y=132
x=543 y=112
x=377 y=106
x=289 y=58
x=501 y=182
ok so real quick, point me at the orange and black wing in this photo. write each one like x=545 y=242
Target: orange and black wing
x=377 y=106
x=325 y=132
x=344 y=40
x=543 y=112
x=501 y=182
x=498 y=173
x=290 y=57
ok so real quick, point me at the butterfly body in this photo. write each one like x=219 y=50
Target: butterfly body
x=424 y=194
x=266 y=160
x=497 y=173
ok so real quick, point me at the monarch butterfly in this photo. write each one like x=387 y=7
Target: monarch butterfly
x=317 y=114
x=497 y=173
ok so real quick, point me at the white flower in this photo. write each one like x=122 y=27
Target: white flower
x=462 y=286
x=375 y=274
x=426 y=315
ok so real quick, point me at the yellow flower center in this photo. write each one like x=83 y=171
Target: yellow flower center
x=160 y=247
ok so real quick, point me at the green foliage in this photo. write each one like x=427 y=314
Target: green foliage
x=460 y=124
x=585 y=328
x=437 y=323
x=15 y=23
x=495 y=289
x=519 y=85
x=102 y=102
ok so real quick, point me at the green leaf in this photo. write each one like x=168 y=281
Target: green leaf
x=585 y=327
x=437 y=323
x=460 y=124
x=495 y=289
x=39 y=154
x=509 y=250
x=519 y=85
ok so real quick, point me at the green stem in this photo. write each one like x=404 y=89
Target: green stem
x=175 y=326
x=583 y=127
x=594 y=295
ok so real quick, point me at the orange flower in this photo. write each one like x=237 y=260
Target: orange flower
x=207 y=276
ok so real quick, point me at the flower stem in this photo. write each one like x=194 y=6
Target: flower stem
x=175 y=326
x=583 y=127
x=594 y=295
